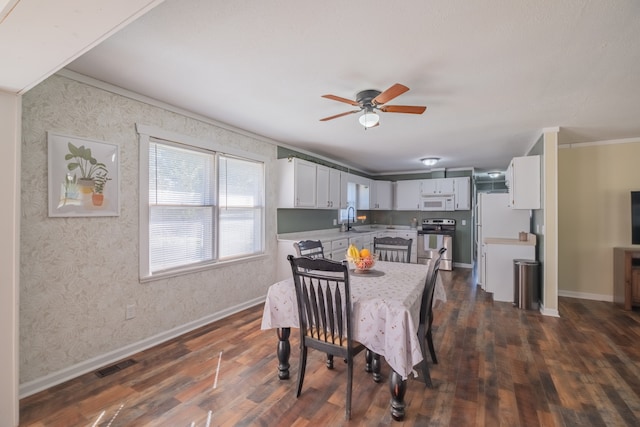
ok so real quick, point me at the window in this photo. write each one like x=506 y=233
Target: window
x=240 y=210
x=181 y=208
x=202 y=206
x=351 y=203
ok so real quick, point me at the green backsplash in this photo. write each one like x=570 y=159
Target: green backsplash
x=295 y=220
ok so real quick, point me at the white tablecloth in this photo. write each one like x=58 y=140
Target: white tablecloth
x=385 y=309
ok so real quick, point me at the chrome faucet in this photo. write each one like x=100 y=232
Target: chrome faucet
x=350 y=209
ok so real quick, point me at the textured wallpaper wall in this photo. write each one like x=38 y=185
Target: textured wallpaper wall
x=79 y=274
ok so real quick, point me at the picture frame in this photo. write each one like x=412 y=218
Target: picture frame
x=84 y=177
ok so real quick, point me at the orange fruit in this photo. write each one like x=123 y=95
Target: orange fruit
x=365 y=253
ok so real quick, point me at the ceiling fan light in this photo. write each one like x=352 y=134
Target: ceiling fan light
x=369 y=119
x=430 y=161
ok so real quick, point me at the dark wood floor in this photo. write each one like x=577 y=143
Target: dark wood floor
x=499 y=366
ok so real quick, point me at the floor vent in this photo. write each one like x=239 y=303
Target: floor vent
x=115 y=368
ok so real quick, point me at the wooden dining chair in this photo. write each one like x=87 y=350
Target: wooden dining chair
x=394 y=249
x=324 y=311
x=426 y=317
x=310 y=248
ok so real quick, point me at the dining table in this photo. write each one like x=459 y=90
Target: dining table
x=385 y=316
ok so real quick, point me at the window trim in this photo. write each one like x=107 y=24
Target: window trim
x=146 y=133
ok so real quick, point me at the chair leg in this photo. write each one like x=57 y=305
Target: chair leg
x=349 y=386
x=431 y=348
x=329 y=361
x=430 y=340
x=423 y=365
x=301 y=368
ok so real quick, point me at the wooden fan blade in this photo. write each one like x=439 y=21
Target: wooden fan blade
x=386 y=96
x=339 y=115
x=411 y=109
x=340 y=99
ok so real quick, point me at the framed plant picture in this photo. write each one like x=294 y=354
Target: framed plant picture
x=83 y=177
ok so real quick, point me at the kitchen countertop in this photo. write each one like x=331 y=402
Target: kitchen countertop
x=531 y=241
x=335 y=233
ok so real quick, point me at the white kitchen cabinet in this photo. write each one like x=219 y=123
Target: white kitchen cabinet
x=523 y=180
x=357 y=241
x=297 y=183
x=322 y=187
x=407 y=195
x=437 y=186
x=498 y=267
x=462 y=193
x=328 y=187
x=381 y=195
x=344 y=190
x=338 y=249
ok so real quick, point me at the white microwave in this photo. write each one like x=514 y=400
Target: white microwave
x=437 y=203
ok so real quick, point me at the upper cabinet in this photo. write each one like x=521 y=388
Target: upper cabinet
x=308 y=185
x=344 y=192
x=462 y=193
x=381 y=196
x=523 y=180
x=328 y=187
x=408 y=195
x=437 y=186
x=297 y=183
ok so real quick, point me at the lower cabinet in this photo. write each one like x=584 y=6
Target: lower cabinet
x=338 y=249
x=335 y=248
x=498 y=268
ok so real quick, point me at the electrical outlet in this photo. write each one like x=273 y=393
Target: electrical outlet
x=130 y=312
x=335 y=221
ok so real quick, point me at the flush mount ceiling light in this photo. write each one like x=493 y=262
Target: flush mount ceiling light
x=369 y=119
x=430 y=161
x=493 y=174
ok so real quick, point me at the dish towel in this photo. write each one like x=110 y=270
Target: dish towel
x=435 y=241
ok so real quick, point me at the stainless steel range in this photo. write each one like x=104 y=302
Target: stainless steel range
x=435 y=234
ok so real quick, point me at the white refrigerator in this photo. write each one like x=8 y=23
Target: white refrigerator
x=495 y=219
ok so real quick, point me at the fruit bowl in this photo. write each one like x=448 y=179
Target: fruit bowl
x=363 y=264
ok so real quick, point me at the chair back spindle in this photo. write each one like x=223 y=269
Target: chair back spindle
x=393 y=249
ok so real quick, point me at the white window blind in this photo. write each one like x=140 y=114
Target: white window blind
x=203 y=206
x=181 y=206
x=241 y=206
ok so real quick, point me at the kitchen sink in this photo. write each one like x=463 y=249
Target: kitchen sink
x=353 y=230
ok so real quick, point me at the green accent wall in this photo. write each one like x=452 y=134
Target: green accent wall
x=295 y=220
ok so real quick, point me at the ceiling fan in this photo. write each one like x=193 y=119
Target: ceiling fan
x=371 y=100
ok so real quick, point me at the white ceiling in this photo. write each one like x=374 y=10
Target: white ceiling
x=493 y=73
x=38 y=38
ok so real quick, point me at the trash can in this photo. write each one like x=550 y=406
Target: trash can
x=525 y=284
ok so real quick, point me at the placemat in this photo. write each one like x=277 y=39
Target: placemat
x=369 y=273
